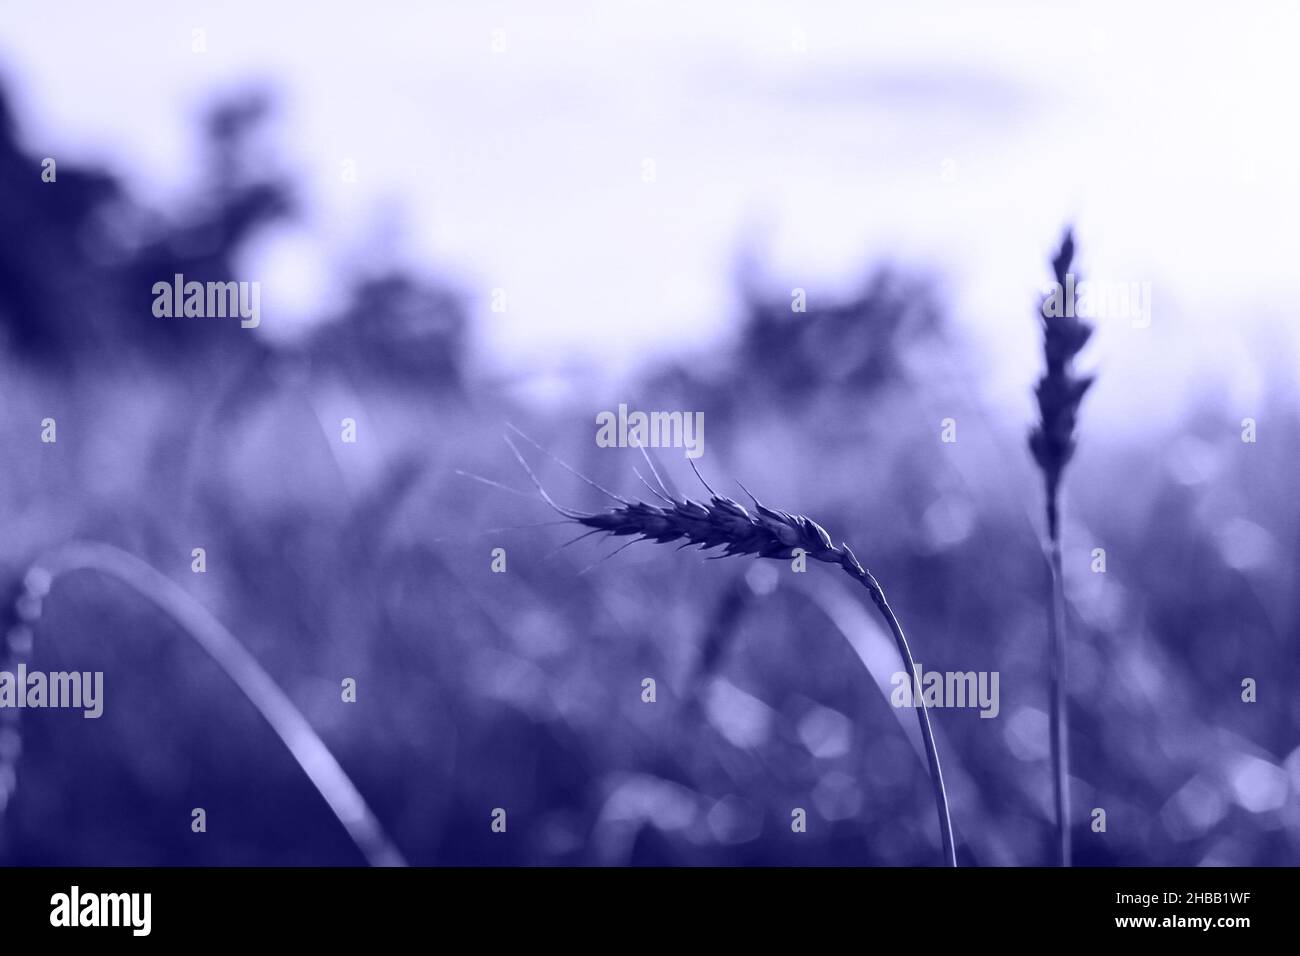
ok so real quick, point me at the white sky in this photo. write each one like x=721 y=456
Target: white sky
x=1167 y=131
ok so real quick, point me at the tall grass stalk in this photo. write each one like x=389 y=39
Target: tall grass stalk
x=723 y=523
x=1051 y=440
x=303 y=743
x=1059 y=723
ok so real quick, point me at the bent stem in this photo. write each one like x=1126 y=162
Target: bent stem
x=922 y=713
x=288 y=722
x=1056 y=675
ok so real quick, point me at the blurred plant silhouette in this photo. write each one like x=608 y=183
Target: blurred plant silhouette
x=1051 y=441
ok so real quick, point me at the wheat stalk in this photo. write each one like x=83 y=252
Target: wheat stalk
x=1052 y=443
x=723 y=523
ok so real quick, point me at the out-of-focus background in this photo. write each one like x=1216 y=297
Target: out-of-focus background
x=462 y=216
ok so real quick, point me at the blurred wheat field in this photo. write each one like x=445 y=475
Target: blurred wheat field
x=373 y=561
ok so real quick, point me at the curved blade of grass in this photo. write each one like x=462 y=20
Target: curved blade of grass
x=293 y=729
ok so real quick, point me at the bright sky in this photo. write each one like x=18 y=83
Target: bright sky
x=820 y=135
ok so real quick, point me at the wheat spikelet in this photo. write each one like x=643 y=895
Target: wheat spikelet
x=721 y=522
x=1059 y=391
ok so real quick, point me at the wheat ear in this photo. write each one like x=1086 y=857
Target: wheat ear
x=1052 y=443
x=723 y=523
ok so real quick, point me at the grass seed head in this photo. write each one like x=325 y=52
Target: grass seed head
x=1060 y=391
x=720 y=522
